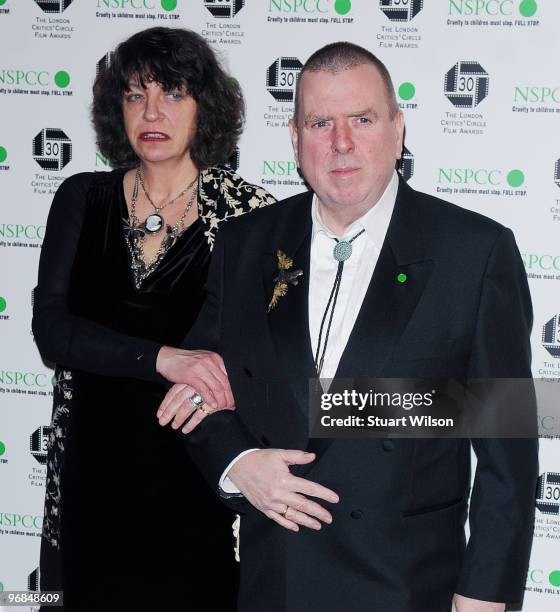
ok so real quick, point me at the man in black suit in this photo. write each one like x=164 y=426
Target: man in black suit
x=427 y=289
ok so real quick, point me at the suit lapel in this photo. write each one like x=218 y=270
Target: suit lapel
x=289 y=319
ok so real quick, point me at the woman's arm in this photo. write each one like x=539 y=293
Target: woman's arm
x=62 y=337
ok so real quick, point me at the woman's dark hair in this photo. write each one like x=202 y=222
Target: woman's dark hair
x=173 y=58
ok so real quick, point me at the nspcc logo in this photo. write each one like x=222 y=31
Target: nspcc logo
x=53 y=6
x=38 y=443
x=406 y=164
x=401 y=10
x=548 y=493
x=551 y=336
x=52 y=149
x=493 y=8
x=557 y=172
x=466 y=84
x=281 y=78
x=224 y=9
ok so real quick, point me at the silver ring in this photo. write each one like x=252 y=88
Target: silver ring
x=196 y=400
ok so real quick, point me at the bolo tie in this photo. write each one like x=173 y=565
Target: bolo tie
x=341 y=252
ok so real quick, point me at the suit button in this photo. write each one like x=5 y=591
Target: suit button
x=388 y=445
x=265 y=441
x=356 y=514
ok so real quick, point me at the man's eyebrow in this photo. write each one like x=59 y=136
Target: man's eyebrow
x=363 y=113
x=311 y=117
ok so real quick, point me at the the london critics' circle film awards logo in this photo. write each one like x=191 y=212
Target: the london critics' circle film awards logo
x=224 y=28
x=224 y=9
x=547 y=516
x=548 y=494
x=397 y=32
x=52 y=149
x=401 y=10
x=53 y=6
x=551 y=336
x=492 y=13
x=38 y=443
x=152 y=10
x=281 y=78
x=466 y=84
x=406 y=164
x=104 y=62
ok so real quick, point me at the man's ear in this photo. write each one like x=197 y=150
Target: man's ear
x=399 y=127
x=294 y=136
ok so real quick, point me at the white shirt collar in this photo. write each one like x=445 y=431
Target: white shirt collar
x=375 y=221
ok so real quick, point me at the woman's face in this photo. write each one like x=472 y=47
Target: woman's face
x=160 y=125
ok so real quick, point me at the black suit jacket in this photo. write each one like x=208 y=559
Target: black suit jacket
x=397 y=541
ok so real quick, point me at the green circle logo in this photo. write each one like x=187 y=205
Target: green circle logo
x=342 y=6
x=402 y=277
x=2 y=448
x=2 y=2
x=2 y=304
x=3 y=152
x=407 y=91
x=62 y=79
x=554 y=578
x=168 y=5
x=515 y=178
x=528 y=8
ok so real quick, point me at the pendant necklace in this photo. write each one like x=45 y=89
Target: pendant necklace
x=154 y=222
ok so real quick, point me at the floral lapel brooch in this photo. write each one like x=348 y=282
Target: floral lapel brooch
x=285 y=277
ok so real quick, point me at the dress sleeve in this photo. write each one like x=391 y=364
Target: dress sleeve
x=66 y=339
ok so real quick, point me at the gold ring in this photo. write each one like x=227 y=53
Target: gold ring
x=285 y=511
x=206 y=412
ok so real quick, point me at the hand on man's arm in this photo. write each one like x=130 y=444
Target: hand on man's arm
x=203 y=370
x=265 y=480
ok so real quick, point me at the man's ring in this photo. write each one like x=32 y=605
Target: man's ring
x=196 y=400
x=285 y=511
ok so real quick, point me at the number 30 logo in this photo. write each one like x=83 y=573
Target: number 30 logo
x=52 y=149
x=466 y=84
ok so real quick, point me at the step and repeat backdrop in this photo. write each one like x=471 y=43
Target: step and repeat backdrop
x=480 y=91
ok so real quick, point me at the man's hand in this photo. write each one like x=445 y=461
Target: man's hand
x=177 y=409
x=264 y=478
x=466 y=604
x=203 y=370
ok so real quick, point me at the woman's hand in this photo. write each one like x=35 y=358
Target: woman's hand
x=178 y=409
x=202 y=370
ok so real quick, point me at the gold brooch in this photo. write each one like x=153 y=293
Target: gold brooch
x=285 y=277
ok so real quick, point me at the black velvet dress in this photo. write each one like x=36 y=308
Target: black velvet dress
x=129 y=522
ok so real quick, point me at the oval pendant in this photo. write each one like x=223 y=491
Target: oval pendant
x=342 y=250
x=153 y=223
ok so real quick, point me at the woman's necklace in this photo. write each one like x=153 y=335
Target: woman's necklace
x=136 y=232
x=154 y=222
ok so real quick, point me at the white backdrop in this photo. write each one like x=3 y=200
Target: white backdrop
x=481 y=95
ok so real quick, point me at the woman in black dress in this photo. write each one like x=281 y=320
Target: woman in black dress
x=129 y=523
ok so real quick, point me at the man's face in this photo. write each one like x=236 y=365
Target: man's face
x=346 y=140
